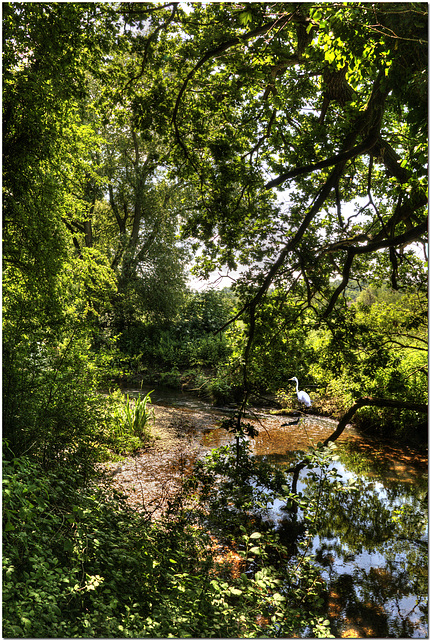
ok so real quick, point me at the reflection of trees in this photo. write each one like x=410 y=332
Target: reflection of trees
x=364 y=459
x=356 y=517
x=365 y=516
x=365 y=613
x=364 y=595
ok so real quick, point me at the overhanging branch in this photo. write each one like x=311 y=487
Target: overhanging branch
x=405 y=238
x=373 y=402
x=329 y=162
x=346 y=418
x=217 y=51
x=367 y=124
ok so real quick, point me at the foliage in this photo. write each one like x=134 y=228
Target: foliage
x=317 y=109
x=134 y=134
x=79 y=563
x=130 y=425
x=52 y=297
x=36 y=584
x=378 y=348
x=280 y=348
x=149 y=123
x=181 y=350
x=51 y=371
x=268 y=96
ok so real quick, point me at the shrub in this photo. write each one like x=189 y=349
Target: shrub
x=128 y=426
x=78 y=562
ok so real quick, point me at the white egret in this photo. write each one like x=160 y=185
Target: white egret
x=302 y=395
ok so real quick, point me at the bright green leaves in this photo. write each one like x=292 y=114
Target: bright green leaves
x=245 y=17
x=53 y=286
x=129 y=424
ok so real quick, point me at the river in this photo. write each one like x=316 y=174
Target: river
x=372 y=546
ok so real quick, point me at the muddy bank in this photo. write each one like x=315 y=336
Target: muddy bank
x=154 y=475
x=182 y=434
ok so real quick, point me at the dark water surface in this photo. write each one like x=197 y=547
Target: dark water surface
x=373 y=542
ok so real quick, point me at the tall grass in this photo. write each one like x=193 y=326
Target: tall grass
x=137 y=417
x=130 y=424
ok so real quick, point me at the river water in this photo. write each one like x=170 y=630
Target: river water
x=372 y=544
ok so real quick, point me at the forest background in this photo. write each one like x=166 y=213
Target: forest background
x=286 y=143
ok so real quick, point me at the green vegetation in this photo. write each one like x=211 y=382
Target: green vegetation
x=129 y=426
x=82 y=564
x=283 y=146
x=377 y=348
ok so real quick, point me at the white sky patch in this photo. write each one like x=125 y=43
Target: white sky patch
x=217 y=280
x=187 y=7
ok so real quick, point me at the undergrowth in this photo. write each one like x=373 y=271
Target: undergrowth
x=78 y=562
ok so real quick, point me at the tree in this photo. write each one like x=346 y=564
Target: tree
x=268 y=122
x=326 y=103
x=50 y=295
x=135 y=216
x=143 y=212
x=287 y=140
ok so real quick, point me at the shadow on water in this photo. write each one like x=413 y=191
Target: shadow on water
x=372 y=542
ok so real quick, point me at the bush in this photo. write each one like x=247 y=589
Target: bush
x=77 y=562
x=188 y=341
x=40 y=574
x=128 y=424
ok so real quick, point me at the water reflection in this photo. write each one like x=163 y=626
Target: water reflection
x=372 y=546
x=372 y=541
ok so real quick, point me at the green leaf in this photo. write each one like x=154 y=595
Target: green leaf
x=245 y=17
x=255 y=535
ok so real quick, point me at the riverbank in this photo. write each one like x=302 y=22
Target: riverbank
x=182 y=434
x=365 y=537
x=153 y=476
x=203 y=383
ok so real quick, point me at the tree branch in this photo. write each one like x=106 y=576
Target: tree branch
x=343 y=422
x=121 y=221
x=294 y=241
x=403 y=346
x=402 y=212
x=404 y=238
x=374 y=402
x=151 y=38
x=367 y=124
x=146 y=10
x=385 y=153
x=358 y=150
x=217 y=51
x=345 y=279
